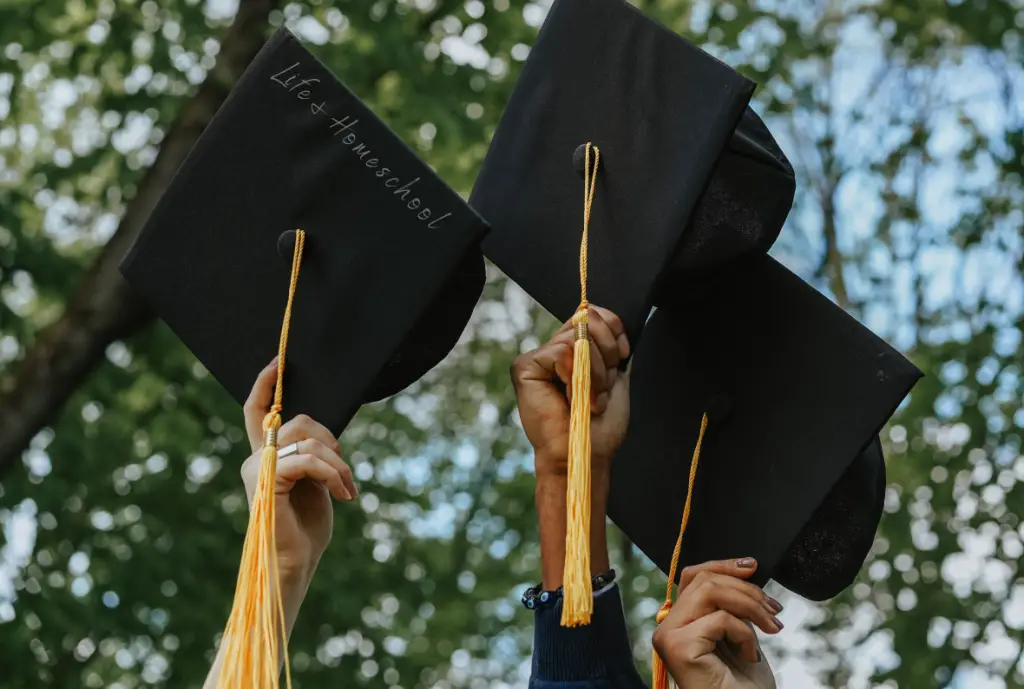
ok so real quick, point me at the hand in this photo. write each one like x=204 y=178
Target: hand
x=544 y=407
x=305 y=480
x=708 y=639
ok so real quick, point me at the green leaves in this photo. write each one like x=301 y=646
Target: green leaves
x=124 y=522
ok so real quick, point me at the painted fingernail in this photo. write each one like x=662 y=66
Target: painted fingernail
x=776 y=606
x=746 y=563
x=778 y=623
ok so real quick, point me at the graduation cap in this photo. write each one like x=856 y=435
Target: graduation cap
x=391 y=268
x=297 y=202
x=684 y=190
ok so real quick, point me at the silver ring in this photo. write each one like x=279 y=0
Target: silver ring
x=288 y=451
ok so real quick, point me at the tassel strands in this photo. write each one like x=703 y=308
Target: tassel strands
x=661 y=679
x=578 y=601
x=255 y=632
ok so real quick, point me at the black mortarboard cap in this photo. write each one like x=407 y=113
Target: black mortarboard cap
x=791 y=470
x=689 y=177
x=691 y=192
x=391 y=268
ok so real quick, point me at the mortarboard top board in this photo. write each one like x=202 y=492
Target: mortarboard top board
x=791 y=470
x=680 y=184
x=391 y=268
x=691 y=192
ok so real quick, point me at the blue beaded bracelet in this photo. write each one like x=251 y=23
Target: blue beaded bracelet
x=535 y=598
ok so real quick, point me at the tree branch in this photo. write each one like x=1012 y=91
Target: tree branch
x=832 y=259
x=104 y=308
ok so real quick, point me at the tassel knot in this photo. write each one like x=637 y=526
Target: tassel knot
x=661 y=678
x=271 y=425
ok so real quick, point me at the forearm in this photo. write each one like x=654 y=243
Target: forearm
x=550 y=501
x=294 y=585
x=594 y=655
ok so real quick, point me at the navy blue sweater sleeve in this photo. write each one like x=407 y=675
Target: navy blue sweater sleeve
x=595 y=656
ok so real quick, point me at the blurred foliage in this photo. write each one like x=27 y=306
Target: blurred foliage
x=123 y=526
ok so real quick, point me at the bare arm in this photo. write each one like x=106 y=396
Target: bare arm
x=549 y=498
x=310 y=472
x=294 y=585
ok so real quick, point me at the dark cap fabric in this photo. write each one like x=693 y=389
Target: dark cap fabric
x=392 y=266
x=691 y=192
x=791 y=471
x=680 y=153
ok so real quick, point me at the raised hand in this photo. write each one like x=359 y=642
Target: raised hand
x=307 y=479
x=708 y=639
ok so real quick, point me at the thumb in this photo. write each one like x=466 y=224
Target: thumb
x=258 y=403
x=553 y=360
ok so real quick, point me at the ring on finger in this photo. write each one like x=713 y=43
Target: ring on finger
x=288 y=451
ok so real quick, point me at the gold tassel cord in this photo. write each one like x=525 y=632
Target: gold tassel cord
x=661 y=679
x=578 y=602
x=256 y=628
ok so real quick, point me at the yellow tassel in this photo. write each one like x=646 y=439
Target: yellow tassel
x=255 y=632
x=661 y=679
x=577 y=586
x=578 y=602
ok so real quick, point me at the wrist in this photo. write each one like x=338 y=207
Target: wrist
x=551 y=463
x=295 y=570
x=550 y=488
x=295 y=578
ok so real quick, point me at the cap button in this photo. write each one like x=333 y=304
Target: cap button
x=579 y=159
x=286 y=245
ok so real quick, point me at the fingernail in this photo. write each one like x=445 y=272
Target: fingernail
x=759 y=656
x=746 y=563
x=775 y=605
x=778 y=623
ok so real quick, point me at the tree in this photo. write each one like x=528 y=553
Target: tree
x=908 y=137
x=131 y=506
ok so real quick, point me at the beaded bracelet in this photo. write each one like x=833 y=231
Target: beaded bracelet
x=535 y=598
